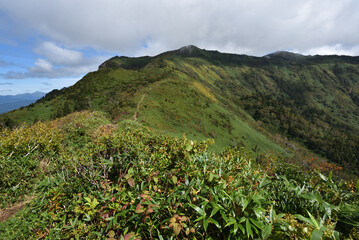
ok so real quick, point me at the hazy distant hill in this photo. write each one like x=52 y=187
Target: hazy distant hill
x=234 y=99
x=11 y=102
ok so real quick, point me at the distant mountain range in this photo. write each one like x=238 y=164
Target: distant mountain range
x=11 y=102
x=265 y=103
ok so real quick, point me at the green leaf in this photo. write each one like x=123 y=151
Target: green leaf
x=257 y=198
x=159 y=235
x=272 y=214
x=318 y=197
x=303 y=219
x=94 y=203
x=309 y=196
x=322 y=177
x=242 y=219
x=336 y=235
x=256 y=223
x=174 y=179
x=223 y=215
x=155 y=178
x=244 y=202
x=249 y=228
x=214 y=211
x=315 y=223
x=258 y=212
x=267 y=230
x=200 y=218
x=265 y=181
x=88 y=218
x=323 y=229
x=230 y=221
x=235 y=228
x=199 y=210
x=242 y=228
x=328 y=208
x=210 y=177
x=188 y=147
x=316 y=235
x=211 y=220
x=111 y=234
x=205 y=224
x=110 y=218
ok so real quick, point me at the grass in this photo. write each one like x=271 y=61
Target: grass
x=184 y=114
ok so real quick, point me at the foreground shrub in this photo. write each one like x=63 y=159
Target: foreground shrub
x=25 y=156
x=127 y=183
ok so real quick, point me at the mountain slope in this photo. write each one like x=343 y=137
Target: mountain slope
x=11 y=102
x=234 y=99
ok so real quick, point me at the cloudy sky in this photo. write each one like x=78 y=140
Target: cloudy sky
x=47 y=44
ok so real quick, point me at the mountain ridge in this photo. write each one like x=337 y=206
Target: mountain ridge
x=236 y=99
x=11 y=102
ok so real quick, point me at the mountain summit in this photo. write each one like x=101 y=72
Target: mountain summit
x=280 y=102
x=188 y=49
x=285 y=55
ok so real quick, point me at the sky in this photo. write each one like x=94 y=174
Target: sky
x=51 y=44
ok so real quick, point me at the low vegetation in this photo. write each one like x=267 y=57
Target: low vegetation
x=85 y=177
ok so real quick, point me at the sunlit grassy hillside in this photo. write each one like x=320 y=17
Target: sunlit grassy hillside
x=234 y=99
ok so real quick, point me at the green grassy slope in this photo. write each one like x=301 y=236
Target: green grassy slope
x=232 y=98
x=189 y=107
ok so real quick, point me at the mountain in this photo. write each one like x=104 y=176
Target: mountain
x=283 y=102
x=11 y=102
x=107 y=158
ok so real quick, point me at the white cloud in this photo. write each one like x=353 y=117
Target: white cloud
x=44 y=69
x=42 y=65
x=57 y=62
x=336 y=49
x=142 y=27
x=59 y=55
x=138 y=27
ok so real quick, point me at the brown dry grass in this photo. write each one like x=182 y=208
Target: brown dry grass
x=7 y=213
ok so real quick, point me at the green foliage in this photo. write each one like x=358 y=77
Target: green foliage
x=25 y=156
x=123 y=181
x=316 y=128
x=29 y=153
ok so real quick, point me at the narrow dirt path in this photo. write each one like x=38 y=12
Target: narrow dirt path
x=144 y=95
x=7 y=213
x=138 y=106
